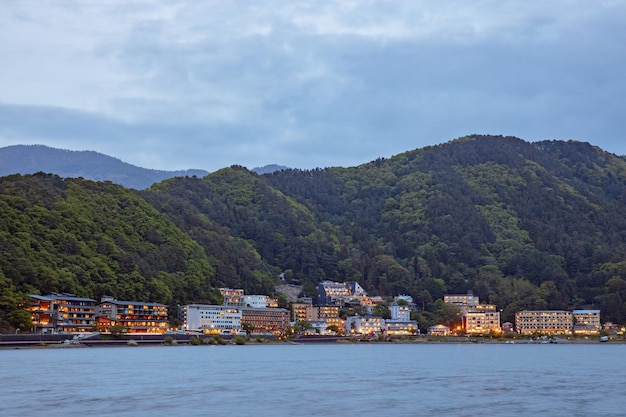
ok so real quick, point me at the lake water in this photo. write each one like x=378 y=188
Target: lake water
x=316 y=380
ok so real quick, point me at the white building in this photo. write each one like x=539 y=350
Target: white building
x=400 y=312
x=365 y=325
x=204 y=317
x=401 y=323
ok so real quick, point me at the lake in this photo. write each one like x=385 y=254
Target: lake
x=316 y=380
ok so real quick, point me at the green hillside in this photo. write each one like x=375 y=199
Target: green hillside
x=523 y=225
x=92 y=239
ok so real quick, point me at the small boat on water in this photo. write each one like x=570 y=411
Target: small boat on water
x=604 y=339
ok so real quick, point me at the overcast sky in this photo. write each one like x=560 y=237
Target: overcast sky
x=207 y=84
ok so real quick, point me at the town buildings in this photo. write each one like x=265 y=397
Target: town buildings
x=238 y=310
x=580 y=322
x=476 y=318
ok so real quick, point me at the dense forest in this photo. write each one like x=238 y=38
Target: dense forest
x=524 y=225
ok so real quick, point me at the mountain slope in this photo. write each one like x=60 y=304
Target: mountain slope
x=524 y=225
x=29 y=159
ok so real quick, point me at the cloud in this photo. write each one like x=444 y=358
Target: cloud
x=172 y=85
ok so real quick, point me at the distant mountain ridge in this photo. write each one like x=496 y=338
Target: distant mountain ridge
x=269 y=169
x=91 y=165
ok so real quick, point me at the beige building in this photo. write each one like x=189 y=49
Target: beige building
x=543 y=322
x=482 y=318
x=586 y=321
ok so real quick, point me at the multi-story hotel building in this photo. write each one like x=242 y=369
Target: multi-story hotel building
x=327 y=314
x=481 y=318
x=365 y=325
x=136 y=316
x=210 y=318
x=543 y=322
x=462 y=300
x=341 y=293
x=266 y=320
x=586 y=321
x=62 y=313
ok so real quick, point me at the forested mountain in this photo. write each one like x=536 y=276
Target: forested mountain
x=524 y=225
x=30 y=159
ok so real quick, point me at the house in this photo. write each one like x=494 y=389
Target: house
x=439 y=330
x=136 y=316
x=62 y=313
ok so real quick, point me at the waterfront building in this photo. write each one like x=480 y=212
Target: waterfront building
x=266 y=320
x=311 y=313
x=210 y=318
x=586 y=322
x=62 y=313
x=401 y=327
x=439 y=330
x=481 y=318
x=365 y=325
x=543 y=322
x=400 y=322
x=136 y=316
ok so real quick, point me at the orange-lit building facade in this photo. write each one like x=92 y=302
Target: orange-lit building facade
x=482 y=318
x=136 y=316
x=62 y=313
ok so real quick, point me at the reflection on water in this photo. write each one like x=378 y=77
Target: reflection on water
x=316 y=380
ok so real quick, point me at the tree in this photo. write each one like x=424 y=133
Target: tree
x=118 y=330
x=247 y=327
x=302 y=326
x=335 y=329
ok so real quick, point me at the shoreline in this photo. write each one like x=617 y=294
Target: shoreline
x=63 y=341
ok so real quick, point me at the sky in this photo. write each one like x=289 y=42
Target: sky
x=208 y=84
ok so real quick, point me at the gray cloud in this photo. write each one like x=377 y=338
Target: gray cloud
x=209 y=84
